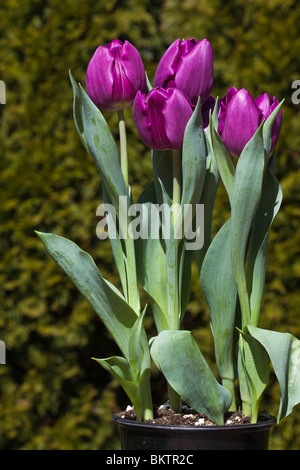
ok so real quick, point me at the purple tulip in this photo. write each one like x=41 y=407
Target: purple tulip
x=161 y=117
x=267 y=106
x=187 y=65
x=114 y=75
x=240 y=116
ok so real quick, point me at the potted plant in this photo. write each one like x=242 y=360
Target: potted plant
x=196 y=142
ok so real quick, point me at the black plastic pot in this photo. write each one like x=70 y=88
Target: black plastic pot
x=144 y=436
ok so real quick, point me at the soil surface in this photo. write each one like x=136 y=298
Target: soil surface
x=189 y=417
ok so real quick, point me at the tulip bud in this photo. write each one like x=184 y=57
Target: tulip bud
x=267 y=107
x=187 y=65
x=161 y=117
x=240 y=116
x=114 y=75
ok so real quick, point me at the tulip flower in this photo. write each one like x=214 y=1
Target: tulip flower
x=161 y=117
x=187 y=65
x=240 y=116
x=114 y=75
x=267 y=106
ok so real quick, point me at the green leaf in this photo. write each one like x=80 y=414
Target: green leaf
x=223 y=159
x=109 y=304
x=162 y=161
x=139 y=355
x=220 y=291
x=103 y=149
x=177 y=355
x=116 y=244
x=256 y=363
x=77 y=113
x=119 y=368
x=172 y=266
x=151 y=272
x=245 y=199
x=257 y=254
x=284 y=352
x=211 y=183
x=194 y=153
x=151 y=265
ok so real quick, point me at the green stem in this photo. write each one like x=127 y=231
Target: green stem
x=174 y=303
x=243 y=386
x=255 y=409
x=176 y=182
x=147 y=406
x=244 y=300
x=133 y=292
x=123 y=145
x=229 y=385
x=173 y=273
x=175 y=400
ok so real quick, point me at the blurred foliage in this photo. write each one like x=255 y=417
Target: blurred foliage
x=52 y=395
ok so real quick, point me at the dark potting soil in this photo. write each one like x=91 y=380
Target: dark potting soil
x=189 y=417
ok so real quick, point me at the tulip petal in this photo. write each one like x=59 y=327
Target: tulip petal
x=161 y=117
x=187 y=65
x=267 y=106
x=194 y=73
x=263 y=102
x=277 y=124
x=166 y=69
x=242 y=120
x=142 y=119
x=114 y=75
x=176 y=112
x=99 y=77
x=223 y=103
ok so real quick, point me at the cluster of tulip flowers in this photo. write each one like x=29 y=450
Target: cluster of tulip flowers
x=116 y=79
x=196 y=141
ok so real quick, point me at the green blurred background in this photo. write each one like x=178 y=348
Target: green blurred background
x=52 y=395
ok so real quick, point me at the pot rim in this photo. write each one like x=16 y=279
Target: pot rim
x=268 y=422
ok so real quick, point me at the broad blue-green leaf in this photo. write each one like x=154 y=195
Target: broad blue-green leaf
x=140 y=365
x=151 y=269
x=245 y=199
x=220 y=291
x=172 y=261
x=139 y=355
x=177 y=355
x=109 y=304
x=115 y=241
x=211 y=183
x=116 y=244
x=77 y=111
x=256 y=266
x=194 y=153
x=284 y=352
x=162 y=163
x=256 y=363
x=119 y=368
x=223 y=159
x=103 y=149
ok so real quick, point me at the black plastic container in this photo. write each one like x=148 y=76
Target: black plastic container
x=144 y=436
